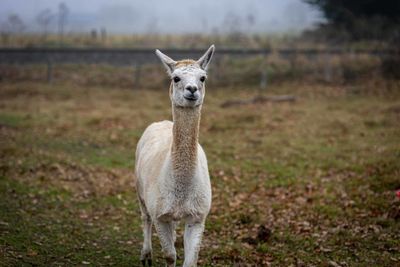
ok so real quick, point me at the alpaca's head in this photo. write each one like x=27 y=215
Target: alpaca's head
x=187 y=78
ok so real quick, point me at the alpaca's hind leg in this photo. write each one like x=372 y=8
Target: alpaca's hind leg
x=146 y=254
x=192 y=240
x=166 y=232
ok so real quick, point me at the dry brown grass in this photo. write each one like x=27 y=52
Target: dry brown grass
x=310 y=183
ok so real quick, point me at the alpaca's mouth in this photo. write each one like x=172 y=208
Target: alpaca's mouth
x=191 y=98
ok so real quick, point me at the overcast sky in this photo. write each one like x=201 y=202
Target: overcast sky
x=173 y=16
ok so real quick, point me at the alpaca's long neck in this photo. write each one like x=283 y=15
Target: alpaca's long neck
x=184 y=141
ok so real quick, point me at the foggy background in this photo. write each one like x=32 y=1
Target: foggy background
x=156 y=16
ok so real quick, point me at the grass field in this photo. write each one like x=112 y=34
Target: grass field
x=310 y=183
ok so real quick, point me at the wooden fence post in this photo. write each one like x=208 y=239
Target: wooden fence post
x=263 y=73
x=327 y=68
x=216 y=69
x=49 y=71
x=137 y=73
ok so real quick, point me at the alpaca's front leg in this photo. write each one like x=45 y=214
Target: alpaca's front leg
x=146 y=255
x=166 y=232
x=192 y=240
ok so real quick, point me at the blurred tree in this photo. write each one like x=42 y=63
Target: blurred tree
x=233 y=26
x=103 y=34
x=250 y=20
x=361 y=19
x=152 y=26
x=15 y=24
x=63 y=11
x=344 y=12
x=43 y=19
x=93 y=34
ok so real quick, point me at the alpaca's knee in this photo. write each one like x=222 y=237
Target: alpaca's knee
x=146 y=219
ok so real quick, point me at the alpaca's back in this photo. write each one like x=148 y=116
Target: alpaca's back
x=151 y=152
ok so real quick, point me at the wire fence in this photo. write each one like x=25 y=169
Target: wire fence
x=229 y=64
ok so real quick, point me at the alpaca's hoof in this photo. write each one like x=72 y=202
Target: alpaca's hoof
x=146 y=257
x=149 y=262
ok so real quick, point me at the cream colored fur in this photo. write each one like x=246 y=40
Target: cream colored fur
x=173 y=182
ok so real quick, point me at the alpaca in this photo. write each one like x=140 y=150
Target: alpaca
x=172 y=178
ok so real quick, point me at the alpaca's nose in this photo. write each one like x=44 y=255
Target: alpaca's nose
x=191 y=88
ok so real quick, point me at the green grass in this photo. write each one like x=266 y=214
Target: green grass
x=50 y=227
x=320 y=173
x=11 y=120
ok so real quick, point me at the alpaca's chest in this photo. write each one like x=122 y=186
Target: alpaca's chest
x=182 y=205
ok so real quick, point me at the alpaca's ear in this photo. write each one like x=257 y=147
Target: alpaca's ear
x=206 y=58
x=168 y=62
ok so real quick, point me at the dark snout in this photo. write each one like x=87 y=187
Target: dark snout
x=191 y=93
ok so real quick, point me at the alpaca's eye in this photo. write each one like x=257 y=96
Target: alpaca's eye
x=202 y=79
x=177 y=79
